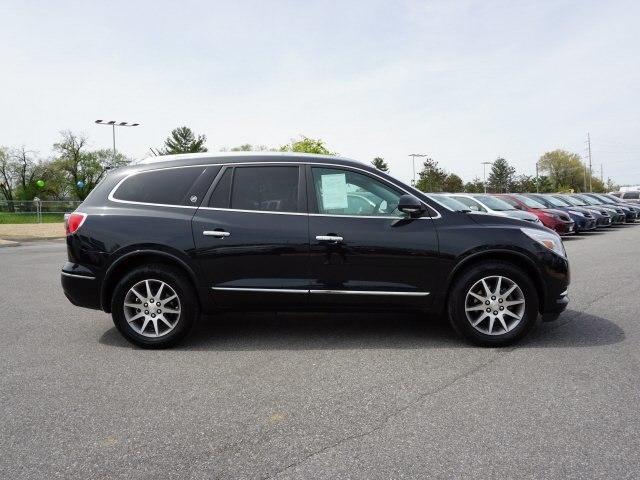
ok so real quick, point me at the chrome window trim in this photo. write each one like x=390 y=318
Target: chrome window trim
x=326 y=292
x=235 y=164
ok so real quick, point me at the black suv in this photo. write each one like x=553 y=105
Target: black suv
x=161 y=241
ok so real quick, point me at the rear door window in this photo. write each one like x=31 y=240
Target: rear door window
x=266 y=189
x=171 y=186
x=631 y=195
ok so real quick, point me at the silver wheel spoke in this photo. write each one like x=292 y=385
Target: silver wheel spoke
x=135 y=292
x=475 y=308
x=509 y=303
x=144 y=325
x=503 y=323
x=133 y=305
x=155 y=326
x=146 y=283
x=509 y=312
x=508 y=292
x=487 y=291
x=497 y=290
x=491 y=322
x=482 y=317
x=170 y=310
x=478 y=297
x=135 y=317
x=165 y=321
x=168 y=299
x=159 y=291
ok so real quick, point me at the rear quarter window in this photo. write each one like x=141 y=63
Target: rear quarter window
x=632 y=195
x=168 y=187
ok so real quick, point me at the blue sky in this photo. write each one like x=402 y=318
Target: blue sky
x=462 y=81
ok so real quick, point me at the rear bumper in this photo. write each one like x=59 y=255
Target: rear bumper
x=80 y=286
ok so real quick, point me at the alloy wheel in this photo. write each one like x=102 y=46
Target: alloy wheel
x=495 y=305
x=152 y=308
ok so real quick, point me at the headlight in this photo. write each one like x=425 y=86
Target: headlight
x=575 y=212
x=549 y=239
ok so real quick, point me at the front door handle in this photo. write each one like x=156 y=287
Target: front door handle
x=215 y=233
x=329 y=238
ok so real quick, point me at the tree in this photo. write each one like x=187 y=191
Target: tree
x=611 y=186
x=431 y=178
x=474 y=186
x=565 y=170
x=307 y=145
x=182 y=140
x=523 y=184
x=453 y=183
x=380 y=164
x=501 y=176
x=83 y=169
x=7 y=178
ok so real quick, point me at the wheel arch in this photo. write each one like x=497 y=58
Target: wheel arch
x=134 y=259
x=518 y=259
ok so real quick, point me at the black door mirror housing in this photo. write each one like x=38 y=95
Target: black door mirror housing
x=411 y=206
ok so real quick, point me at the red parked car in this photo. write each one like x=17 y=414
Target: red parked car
x=556 y=220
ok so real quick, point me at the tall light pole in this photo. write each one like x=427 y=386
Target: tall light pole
x=115 y=124
x=413 y=156
x=537 y=178
x=484 y=172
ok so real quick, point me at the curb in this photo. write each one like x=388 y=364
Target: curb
x=8 y=243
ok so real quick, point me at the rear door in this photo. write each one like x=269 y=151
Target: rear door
x=364 y=252
x=252 y=236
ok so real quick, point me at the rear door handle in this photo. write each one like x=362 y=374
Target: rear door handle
x=215 y=233
x=329 y=238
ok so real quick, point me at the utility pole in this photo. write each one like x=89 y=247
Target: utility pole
x=590 y=171
x=537 y=181
x=585 y=175
x=413 y=157
x=484 y=173
x=601 y=175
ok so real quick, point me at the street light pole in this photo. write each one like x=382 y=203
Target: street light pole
x=484 y=173
x=413 y=156
x=115 y=124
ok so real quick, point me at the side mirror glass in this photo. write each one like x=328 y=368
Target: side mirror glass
x=411 y=206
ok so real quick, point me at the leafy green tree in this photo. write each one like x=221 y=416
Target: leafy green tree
x=564 y=169
x=523 y=184
x=307 y=145
x=431 y=178
x=182 y=140
x=380 y=164
x=474 y=186
x=501 y=176
x=7 y=177
x=611 y=186
x=453 y=183
x=83 y=169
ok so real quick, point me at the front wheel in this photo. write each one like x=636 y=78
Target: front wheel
x=154 y=306
x=493 y=304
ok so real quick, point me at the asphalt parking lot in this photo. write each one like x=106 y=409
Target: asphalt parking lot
x=322 y=396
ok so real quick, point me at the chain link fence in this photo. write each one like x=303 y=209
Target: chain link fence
x=35 y=211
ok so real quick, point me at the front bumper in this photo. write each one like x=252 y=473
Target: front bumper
x=585 y=224
x=558 y=306
x=80 y=286
x=565 y=228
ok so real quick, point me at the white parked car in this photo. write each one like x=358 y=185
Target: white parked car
x=487 y=204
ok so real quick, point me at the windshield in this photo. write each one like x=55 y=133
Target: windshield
x=605 y=199
x=574 y=201
x=613 y=198
x=529 y=202
x=562 y=200
x=554 y=201
x=449 y=202
x=494 y=203
x=588 y=200
x=541 y=199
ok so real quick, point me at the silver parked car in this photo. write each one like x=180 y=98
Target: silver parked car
x=479 y=203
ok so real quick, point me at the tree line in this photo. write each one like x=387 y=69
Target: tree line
x=75 y=169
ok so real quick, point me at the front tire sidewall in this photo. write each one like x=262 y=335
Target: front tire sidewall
x=457 y=298
x=179 y=283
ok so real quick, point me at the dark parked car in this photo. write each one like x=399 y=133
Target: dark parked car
x=584 y=219
x=159 y=242
x=603 y=216
x=552 y=218
x=630 y=212
x=617 y=214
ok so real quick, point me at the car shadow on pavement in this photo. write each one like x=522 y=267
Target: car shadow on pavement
x=327 y=331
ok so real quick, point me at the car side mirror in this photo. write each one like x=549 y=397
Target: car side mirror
x=411 y=206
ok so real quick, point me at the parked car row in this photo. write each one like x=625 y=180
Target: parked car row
x=565 y=214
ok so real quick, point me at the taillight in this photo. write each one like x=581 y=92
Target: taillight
x=74 y=222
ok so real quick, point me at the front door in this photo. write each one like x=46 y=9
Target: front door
x=364 y=252
x=252 y=239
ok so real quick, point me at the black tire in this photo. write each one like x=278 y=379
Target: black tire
x=465 y=281
x=174 y=278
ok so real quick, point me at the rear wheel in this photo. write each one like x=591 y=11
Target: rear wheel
x=493 y=304
x=154 y=306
